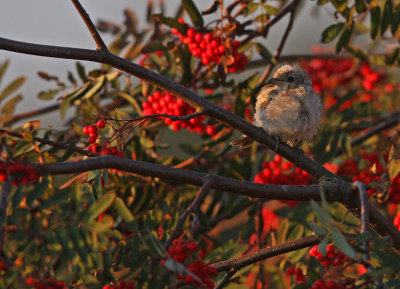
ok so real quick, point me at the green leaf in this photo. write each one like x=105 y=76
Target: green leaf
x=360 y=6
x=81 y=71
x=62 y=237
x=12 y=87
x=296 y=232
x=131 y=100
x=387 y=16
x=171 y=22
x=48 y=95
x=323 y=217
x=392 y=57
x=375 y=13
x=331 y=32
x=342 y=244
x=322 y=2
x=264 y=52
x=78 y=243
x=393 y=165
x=344 y=38
x=3 y=68
x=357 y=52
x=153 y=47
x=320 y=231
x=396 y=19
x=100 y=207
x=123 y=210
x=37 y=191
x=283 y=229
x=9 y=106
x=98 y=84
x=193 y=12
x=186 y=64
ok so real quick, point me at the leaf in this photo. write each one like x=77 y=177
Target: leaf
x=323 y=217
x=153 y=47
x=296 y=233
x=393 y=165
x=396 y=19
x=12 y=87
x=386 y=16
x=123 y=210
x=360 y=6
x=81 y=71
x=375 y=13
x=48 y=95
x=186 y=64
x=264 y=52
x=99 y=83
x=9 y=107
x=3 y=68
x=357 y=52
x=213 y=8
x=171 y=22
x=331 y=32
x=344 y=38
x=99 y=207
x=283 y=229
x=193 y=12
x=320 y=231
x=392 y=57
x=78 y=243
x=37 y=192
x=131 y=100
x=342 y=244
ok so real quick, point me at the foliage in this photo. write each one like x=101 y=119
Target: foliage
x=108 y=228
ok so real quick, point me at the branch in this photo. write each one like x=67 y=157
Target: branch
x=253 y=190
x=225 y=279
x=51 y=143
x=362 y=191
x=191 y=209
x=92 y=28
x=240 y=262
x=211 y=109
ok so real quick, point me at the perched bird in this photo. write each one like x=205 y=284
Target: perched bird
x=287 y=107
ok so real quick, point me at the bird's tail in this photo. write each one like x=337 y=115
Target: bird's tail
x=243 y=141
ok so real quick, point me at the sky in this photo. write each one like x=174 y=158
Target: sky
x=55 y=22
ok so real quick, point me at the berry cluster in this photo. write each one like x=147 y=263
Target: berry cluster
x=298 y=274
x=211 y=48
x=331 y=284
x=93 y=132
x=277 y=172
x=270 y=221
x=50 y=283
x=367 y=176
x=333 y=257
x=121 y=285
x=180 y=253
x=20 y=174
x=328 y=74
x=166 y=103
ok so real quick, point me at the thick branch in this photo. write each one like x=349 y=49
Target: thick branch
x=211 y=109
x=240 y=262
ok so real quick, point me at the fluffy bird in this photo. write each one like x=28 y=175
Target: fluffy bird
x=287 y=107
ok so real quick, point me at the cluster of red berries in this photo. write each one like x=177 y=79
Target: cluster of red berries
x=277 y=172
x=50 y=283
x=121 y=285
x=211 y=48
x=93 y=132
x=180 y=253
x=20 y=174
x=333 y=257
x=298 y=274
x=166 y=103
x=328 y=74
x=331 y=284
x=367 y=176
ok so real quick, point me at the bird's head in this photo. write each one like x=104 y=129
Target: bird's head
x=289 y=77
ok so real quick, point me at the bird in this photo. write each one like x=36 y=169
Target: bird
x=287 y=107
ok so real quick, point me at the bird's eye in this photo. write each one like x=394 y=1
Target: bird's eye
x=290 y=78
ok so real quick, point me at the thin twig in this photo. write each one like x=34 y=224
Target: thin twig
x=281 y=45
x=362 y=191
x=225 y=279
x=191 y=209
x=262 y=254
x=51 y=143
x=92 y=28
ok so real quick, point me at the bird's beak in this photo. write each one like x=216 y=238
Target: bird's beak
x=274 y=82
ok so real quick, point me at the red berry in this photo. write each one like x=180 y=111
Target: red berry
x=93 y=129
x=101 y=124
x=85 y=130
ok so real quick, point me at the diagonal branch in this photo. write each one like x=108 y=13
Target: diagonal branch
x=240 y=262
x=92 y=28
x=191 y=209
